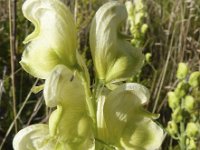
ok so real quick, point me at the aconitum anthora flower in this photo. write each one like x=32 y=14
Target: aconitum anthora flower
x=54 y=39
x=83 y=119
x=69 y=126
x=114 y=57
x=122 y=123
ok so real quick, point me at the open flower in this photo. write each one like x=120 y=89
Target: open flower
x=114 y=57
x=121 y=121
x=69 y=126
x=53 y=40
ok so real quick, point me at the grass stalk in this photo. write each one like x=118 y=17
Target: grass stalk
x=164 y=72
x=17 y=116
x=12 y=28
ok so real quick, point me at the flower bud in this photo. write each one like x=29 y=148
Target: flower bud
x=182 y=89
x=172 y=128
x=191 y=144
x=138 y=18
x=182 y=71
x=192 y=129
x=177 y=115
x=194 y=79
x=189 y=103
x=139 y=6
x=144 y=28
x=114 y=57
x=173 y=100
x=148 y=57
x=130 y=8
x=135 y=42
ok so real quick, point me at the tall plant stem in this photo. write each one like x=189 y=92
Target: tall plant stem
x=75 y=10
x=182 y=136
x=182 y=131
x=12 y=27
x=17 y=116
x=164 y=72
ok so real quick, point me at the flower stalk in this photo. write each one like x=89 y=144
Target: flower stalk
x=182 y=136
x=89 y=99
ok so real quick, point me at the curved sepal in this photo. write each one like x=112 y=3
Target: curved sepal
x=69 y=122
x=63 y=87
x=127 y=123
x=54 y=39
x=34 y=137
x=114 y=57
x=37 y=137
x=142 y=135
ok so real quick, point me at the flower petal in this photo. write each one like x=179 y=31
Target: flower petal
x=69 y=122
x=53 y=40
x=143 y=135
x=33 y=137
x=114 y=58
x=101 y=125
x=75 y=129
x=125 y=118
x=140 y=91
x=63 y=87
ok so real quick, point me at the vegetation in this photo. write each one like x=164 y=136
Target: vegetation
x=168 y=33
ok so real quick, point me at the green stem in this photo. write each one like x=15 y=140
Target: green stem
x=89 y=99
x=182 y=131
x=12 y=27
x=182 y=136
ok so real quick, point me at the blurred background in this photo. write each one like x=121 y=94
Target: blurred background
x=172 y=35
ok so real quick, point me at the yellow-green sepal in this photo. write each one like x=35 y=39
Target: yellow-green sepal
x=114 y=57
x=54 y=39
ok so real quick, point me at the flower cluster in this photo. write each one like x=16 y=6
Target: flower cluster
x=137 y=13
x=184 y=102
x=109 y=116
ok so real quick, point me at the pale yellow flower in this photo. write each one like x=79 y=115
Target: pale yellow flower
x=114 y=57
x=54 y=39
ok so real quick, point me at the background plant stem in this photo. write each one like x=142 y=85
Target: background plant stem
x=182 y=136
x=12 y=27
